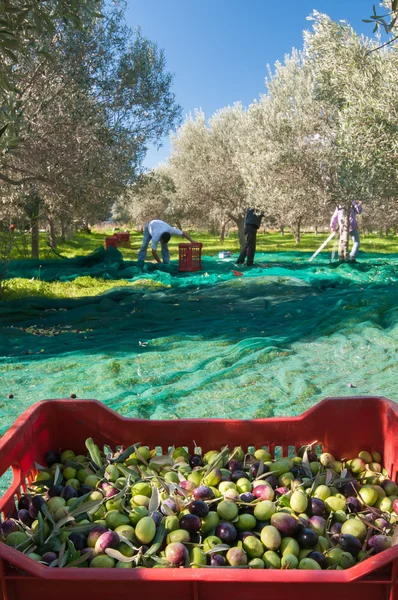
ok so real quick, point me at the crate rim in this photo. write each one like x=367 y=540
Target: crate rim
x=27 y=565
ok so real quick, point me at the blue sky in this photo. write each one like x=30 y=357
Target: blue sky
x=218 y=50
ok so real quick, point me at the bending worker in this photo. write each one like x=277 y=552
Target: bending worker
x=252 y=223
x=159 y=231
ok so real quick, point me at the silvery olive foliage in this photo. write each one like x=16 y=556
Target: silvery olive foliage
x=325 y=132
x=89 y=105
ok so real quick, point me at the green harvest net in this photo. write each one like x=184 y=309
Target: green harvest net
x=271 y=342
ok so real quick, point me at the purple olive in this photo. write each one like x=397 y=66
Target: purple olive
x=312 y=457
x=84 y=489
x=51 y=457
x=280 y=491
x=176 y=553
x=217 y=560
x=55 y=490
x=254 y=469
x=285 y=524
x=9 y=526
x=354 y=504
x=239 y=475
x=157 y=517
x=263 y=492
x=49 y=557
x=379 y=543
x=307 y=538
x=190 y=523
x=319 y=558
x=297 y=472
x=273 y=481
x=199 y=508
x=24 y=517
x=195 y=461
x=24 y=502
x=244 y=534
x=79 y=540
x=169 y=505
x=94 y=534
x=234 y=465
x=195 y=538
x=69 y=492
x=203 y=493
x=349 y=543
x=348 y=488
x=381 y=523
x=317 y=524
x=35 y=505
x=226 y=532
x=109 y=539
x=335 y=531
x=318 y=507
x=247 y=497
x=111 y=491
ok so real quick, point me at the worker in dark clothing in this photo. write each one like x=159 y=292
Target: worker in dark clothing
x=252 y=223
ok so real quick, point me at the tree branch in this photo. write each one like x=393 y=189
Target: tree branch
x=21 y=181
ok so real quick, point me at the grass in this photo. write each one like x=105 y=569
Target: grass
x=84 y=243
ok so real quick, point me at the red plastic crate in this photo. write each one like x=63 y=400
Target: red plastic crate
x=190 y=257
x=111 y=241
x=123 y=236
x=342 y=426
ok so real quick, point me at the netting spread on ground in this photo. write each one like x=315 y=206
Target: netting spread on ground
x=271 y=342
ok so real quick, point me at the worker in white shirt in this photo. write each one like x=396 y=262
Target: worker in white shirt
x=159 y=231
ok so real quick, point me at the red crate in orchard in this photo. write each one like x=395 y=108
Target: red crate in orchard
x=123 y=236
x=342 y=426
x=111 y=241
x=190 y=257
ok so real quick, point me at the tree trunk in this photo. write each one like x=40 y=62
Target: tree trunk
x=282 y=230
x=240 y=223
x=316 y=229
x=223 y=228
x=297 y=231
x=53 y=235
x=344 y=233
x=179 y=224
x=32 y=208
x=34 y=227
x=63 y=230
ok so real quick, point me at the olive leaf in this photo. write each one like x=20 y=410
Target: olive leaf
x=155 y=499
x=126 y=453
x=94 y=452
x=329 y=476
x=306 y=464
x=140 y=457
x=41 y=527
x=57 y=476
x=61 y=556
x=218 y=548
x=87 y=507
x=78 y=561
x=83 y=528
x=119 y=556
x=260 y=469
x=47 y=514
x=78 y=501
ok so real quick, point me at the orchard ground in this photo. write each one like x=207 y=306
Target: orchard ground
x=84 y=243
x=158 y=344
